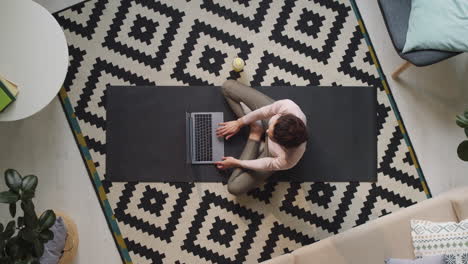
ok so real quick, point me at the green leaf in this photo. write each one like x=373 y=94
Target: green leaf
x=29 y=183
x=31 y=261
x=25 y=248
x=27 y=206
x=6 y=260
x=466 y=131
x=38 y=248
x=462 y=121
x=8 y=197
x=12 y=247
x=47 y=220
x=9 y=230
x=30 y=217
x=2 y=246
x=46 y=235
x=12 y=208
x=28 y=260
x=462 y=150
x=13 y=180
x=29 y=234
x=20 y=222
x=27 y=195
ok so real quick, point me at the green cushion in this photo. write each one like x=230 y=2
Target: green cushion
x=438 y=25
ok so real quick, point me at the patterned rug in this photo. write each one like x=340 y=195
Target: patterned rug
x=319 y=42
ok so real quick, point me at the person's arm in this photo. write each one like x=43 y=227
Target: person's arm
x=274 y=163
x=265 y=164
x=267 y=111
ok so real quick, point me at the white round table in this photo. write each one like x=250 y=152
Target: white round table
x=33 y=54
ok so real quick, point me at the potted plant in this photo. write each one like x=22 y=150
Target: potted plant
x=462 y=150
x=22 y=241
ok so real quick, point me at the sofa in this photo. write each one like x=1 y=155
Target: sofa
x=385 y=237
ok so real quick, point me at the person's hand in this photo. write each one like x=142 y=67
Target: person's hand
x=228 y=129
x=227 y=163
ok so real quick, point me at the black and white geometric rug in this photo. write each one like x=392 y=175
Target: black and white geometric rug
x=148 y=42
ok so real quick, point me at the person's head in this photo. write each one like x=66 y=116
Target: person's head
x=288 y=130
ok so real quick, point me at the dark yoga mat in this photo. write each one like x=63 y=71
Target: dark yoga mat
x=146 y=133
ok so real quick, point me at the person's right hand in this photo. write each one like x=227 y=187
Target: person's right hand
x=228 y=129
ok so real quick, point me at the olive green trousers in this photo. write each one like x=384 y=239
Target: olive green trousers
x=244 y=180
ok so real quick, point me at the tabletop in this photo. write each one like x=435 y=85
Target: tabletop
x=33 y=55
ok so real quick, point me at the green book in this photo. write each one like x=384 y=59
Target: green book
x=5 y=100
x=6 y=95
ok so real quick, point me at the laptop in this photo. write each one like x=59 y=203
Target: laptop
x=203 y=146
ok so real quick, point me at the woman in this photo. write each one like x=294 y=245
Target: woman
x=284 y=124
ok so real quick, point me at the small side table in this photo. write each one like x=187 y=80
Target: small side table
x=33 y=54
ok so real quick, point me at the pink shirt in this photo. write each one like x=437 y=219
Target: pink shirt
x=281 y=157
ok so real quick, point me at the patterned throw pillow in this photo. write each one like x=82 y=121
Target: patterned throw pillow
x=461 y=258
x=431 y=238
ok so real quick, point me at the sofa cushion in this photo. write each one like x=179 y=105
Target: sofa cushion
x=386 y=237
x=435 y=238
x=438 y=25
x=459 y=258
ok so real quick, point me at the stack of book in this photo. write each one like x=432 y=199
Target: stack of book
x=8 y=93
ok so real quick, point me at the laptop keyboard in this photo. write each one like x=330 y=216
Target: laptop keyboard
x=203 y=137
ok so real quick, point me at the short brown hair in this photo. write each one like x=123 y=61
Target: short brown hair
x=290 y=131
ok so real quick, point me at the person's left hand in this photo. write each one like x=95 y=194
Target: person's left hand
x=228 y=129
x=227 y=163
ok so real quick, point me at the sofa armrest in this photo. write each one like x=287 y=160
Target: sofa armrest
x=283 y=259
x=373 y=242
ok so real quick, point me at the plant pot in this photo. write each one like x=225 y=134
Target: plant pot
x=72 y=241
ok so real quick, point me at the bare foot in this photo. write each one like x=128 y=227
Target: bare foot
x=256 y=131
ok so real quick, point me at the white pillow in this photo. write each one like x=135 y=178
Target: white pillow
x=432 y=238
x=438 y=25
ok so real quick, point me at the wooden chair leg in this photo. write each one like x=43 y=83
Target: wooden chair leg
x=400 y=69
